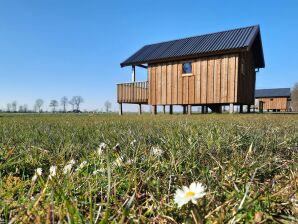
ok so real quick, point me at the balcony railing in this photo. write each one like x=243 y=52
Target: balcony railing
x=133 y=92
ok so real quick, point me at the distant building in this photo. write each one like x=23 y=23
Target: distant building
x=211 y=70
x=273 y=99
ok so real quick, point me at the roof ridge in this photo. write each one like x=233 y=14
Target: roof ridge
x=202 y=35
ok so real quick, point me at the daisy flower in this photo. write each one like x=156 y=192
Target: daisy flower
x=156 y=151
x=53 y=170
x=82 y=165
x=38 y=172
x=133 y=142
x=68 y=167
x=191 y=193
x=101 y=148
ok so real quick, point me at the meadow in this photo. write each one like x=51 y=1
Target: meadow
x=112 y=169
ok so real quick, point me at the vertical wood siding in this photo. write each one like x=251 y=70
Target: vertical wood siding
x=277 y=103
x=214 y=80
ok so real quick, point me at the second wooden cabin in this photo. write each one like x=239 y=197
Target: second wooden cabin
x=211 y=71
x=275 y=100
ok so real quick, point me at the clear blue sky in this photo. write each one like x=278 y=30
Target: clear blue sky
x=52 y=48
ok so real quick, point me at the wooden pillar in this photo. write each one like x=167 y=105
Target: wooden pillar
x=133 y=74
x=153 y=109
x=184 y=109
x=140 y=109
x=241 y=108
x=261 y=106
x=120 y=109
x=189 y=109
x=164 y=109
x=202 y=109
x=206 y=109
x=248 y=109
x=231 y=109
x=171 y=109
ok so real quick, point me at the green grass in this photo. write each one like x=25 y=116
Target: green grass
x=220 y=151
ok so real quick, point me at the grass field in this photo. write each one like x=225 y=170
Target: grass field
x=247 y=163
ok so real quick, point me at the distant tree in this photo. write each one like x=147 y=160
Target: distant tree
x=38 y=105
x=294 y=97
x=25 y=108
x=21 y=109
x=14 y=106
x=76 y=101
x=72 y=103
x=8 y=107
x=64 y=102
x=107 y=106
x=54 y=104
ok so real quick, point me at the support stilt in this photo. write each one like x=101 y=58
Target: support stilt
x=120 y=109
x=241 y=108
x=140 y=109
x=171 y=109
x=202 y=109
x=248 y=109
x=184 y=109
x=189 y=109
x=231 y=109
x=164 y=109
x=154 y=109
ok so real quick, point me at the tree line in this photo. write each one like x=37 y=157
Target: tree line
x=75 y=103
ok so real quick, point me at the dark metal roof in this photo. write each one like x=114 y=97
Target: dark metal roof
x=242 y=39
x=281 y=92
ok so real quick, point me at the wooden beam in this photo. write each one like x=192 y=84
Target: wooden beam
x=140 y=109
x=164 y=109
x=143 y=66
x=133 y=74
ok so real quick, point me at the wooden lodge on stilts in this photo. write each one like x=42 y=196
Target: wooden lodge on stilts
x=211 y=71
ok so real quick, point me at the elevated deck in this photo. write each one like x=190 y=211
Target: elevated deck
x=133 y=92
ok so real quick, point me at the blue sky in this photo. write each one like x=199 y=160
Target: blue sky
x=52 y=48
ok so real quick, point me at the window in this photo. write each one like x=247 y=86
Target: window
x=271 y=99
x=187 y=68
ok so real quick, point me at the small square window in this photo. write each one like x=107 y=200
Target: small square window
x=271 y=99
x=187 y=68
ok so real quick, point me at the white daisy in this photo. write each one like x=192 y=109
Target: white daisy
x=118 y=161
x=38 y=171
x=53 y=170
x=82 y=165
x=191 y=193
x=34 y=178
x=156 y=151
x=67 y=168
x=103 y=146
x=133 y=142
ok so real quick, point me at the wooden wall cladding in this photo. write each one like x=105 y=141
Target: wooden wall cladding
x=214 y=80
x=278 y=103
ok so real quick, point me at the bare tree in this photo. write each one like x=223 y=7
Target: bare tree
x=21 y=109
x=14 y=106
x=294 y=97
x=77 y=100
x=72 y=103
x=64 y=102
x=38 y=105
x=25 y=108
x=108 y=106
x=54 y=104
x=8 y=107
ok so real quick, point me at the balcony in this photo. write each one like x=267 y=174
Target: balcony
x=133 y=92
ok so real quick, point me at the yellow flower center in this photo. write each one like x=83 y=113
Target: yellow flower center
x=189 y=194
